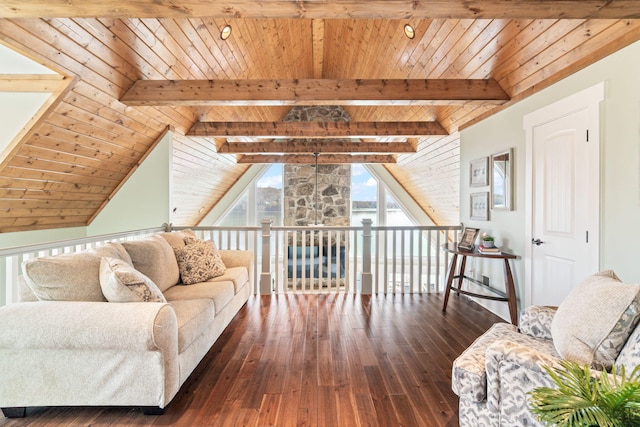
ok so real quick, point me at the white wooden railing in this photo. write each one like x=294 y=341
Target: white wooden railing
x=11 y=259
x=362 y=259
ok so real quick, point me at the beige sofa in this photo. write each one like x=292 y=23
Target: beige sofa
x=64 y=344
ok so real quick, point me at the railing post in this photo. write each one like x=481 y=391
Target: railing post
x=367 y=278
x=265 y=275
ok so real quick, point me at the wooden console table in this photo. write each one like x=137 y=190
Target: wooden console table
x=509 y=298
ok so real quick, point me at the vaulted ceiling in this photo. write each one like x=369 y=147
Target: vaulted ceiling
x=65 y=169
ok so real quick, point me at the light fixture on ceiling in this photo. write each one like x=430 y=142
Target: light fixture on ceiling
x=409 y=31
x=226 y=32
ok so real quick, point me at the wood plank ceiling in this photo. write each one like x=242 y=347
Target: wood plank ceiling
x=71 y=163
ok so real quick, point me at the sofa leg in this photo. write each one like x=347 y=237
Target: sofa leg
x=16 y=412
x=152 y=410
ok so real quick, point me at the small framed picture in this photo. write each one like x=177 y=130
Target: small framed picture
x=468 y=239
x=480 y=206
x=478 y=176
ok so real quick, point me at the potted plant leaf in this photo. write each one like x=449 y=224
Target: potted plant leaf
x=588 y=399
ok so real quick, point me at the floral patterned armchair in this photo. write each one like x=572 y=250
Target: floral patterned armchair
x=597 y=324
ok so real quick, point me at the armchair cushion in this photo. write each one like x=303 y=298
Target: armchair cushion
x=595 y=319
x=535 y=321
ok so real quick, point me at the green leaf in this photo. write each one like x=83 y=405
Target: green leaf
x=582 y=400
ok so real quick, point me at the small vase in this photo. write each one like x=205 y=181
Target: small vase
x=488 y=243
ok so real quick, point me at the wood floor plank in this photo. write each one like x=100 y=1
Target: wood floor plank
x=315 y=360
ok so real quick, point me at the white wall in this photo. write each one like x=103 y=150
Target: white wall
x=620 y=166
x=144 y=200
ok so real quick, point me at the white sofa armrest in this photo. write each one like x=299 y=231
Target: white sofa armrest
x=536 y=321
x=89 y=325
x=63 y=353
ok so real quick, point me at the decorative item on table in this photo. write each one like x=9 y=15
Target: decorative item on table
x=468 y=240
x=488 y=246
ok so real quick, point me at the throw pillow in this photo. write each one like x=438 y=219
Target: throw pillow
x=595 y=319
x=65 y=277
x=197 y=261
x=120 y=282
x=217 y=259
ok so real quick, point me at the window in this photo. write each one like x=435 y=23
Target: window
x=260 y=201
x=269 y=196
x=395 y=214
x=364 y=195
x=238 y=215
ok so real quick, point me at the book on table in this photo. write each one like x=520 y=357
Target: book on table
x=490 y=251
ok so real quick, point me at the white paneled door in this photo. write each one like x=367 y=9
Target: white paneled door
x=564 y=202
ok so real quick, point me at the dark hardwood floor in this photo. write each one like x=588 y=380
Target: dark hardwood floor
x=315 y=360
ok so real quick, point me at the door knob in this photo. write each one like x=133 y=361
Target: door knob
x=537 y=242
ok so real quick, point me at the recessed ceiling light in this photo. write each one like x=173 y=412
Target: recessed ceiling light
x=226 y=32
x=409 y=31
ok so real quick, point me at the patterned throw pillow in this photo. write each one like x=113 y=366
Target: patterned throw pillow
x=120 y=282
x=198 y=261
x=594 y=321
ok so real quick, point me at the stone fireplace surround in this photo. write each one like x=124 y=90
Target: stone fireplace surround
x=334 y=181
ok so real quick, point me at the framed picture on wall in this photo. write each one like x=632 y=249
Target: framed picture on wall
x=478 y=176
x=480 y=206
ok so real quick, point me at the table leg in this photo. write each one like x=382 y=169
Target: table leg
x=511 y=293
x=452 y=272
x=463 y=265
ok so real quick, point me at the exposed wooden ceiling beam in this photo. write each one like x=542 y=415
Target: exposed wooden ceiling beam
x=317 y=146
x=32 y=82
x=316 y=129
x=317 y=35
x=325 y=159
x=313 y=9
x=315 y=92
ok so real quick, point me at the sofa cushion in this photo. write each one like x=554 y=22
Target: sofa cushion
x=238 y=275
x=194 y=317
x=221 y=293
x=154 y=258
x=198 y=261
x=595 y=319
x=176 y=238
x=25 y=294
x=112 y=250
x=65 y=277
x=120 y=282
